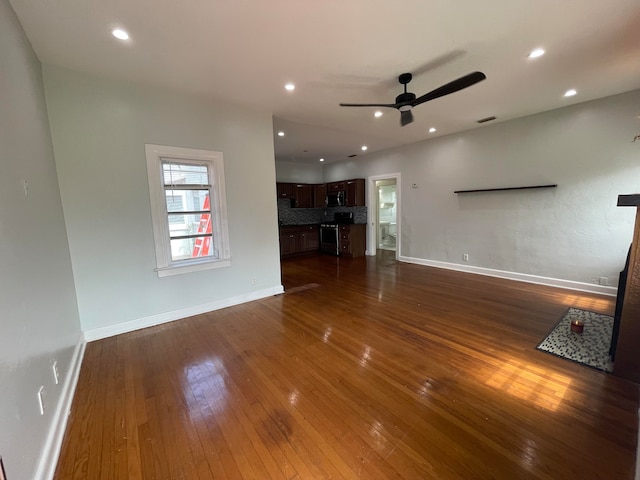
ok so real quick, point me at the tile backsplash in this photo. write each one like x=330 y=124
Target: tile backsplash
x=303 y=216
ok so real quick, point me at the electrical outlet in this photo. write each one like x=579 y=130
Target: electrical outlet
x=56 y=372
x=41 y=399
x=465 y=257
x=254 y=281
x=603 y=281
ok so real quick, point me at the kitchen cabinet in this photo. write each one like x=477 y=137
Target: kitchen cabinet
x=306 y=195
x=303 y=195
x=355 y=192
x=320 y=195
x=286 y=190
x=297 y=239
x=334 y=187
x=352 y=240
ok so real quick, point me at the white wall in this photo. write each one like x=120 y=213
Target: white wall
x=38 y=311
x=574 y=232
x=99 y=129
x=291 y=172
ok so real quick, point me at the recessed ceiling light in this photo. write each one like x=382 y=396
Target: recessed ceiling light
x=377 y=114
x=120 y=34
x=538 y=52
x=281 y=134
x=570 y=93
x=364 y=148
x=322 y=159
x=431 y=130
x=290 y=87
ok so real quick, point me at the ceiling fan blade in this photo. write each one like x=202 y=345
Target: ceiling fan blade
x=389 y=105
x=406 y=117
x=451 y=87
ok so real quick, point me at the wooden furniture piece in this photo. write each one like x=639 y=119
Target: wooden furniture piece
x=304 y=195
x=296 y=239
x=320 y=195
x=285 y=190
x=355 y=192
x=309 y=195
x=352 y=240
x=333 y=187
x=627 y=364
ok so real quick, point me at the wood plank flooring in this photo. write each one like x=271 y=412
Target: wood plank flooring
x=367 y=369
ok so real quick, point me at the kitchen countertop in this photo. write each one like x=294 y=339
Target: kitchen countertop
x=314 y=224
x=299 y=224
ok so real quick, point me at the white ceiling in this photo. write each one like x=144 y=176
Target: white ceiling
x=244 y=51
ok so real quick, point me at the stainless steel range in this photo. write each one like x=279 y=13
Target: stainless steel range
x=329 y=236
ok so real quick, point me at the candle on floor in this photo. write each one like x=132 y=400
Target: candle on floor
x=577 y=325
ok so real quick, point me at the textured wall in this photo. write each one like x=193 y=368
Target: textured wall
x=574 y=232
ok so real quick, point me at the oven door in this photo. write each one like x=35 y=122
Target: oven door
x=329 y=239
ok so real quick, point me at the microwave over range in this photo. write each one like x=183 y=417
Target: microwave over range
x=336 y=199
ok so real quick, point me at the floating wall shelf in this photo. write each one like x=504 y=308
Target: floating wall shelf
x=506 y=188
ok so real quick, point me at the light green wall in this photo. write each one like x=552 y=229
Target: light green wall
x=99 y=129
x=38 y=311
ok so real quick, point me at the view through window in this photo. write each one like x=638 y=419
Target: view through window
x=187 y=190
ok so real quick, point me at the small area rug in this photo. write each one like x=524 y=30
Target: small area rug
x=591 y=347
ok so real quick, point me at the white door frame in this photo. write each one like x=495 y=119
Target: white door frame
x=372 y=213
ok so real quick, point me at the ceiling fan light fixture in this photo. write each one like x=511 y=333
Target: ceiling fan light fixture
x=405 y=108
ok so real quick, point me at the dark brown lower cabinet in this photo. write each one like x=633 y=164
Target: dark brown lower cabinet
x=298 y=239
x=352 y=240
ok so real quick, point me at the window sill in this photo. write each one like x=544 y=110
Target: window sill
x=192 y=267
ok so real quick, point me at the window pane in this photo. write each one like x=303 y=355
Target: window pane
x=181 y=174
x=187 y=200
x=175 y=203
x=193 y=224
x=185 y=248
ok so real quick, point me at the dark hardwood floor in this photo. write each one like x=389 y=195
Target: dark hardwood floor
x=365 y=368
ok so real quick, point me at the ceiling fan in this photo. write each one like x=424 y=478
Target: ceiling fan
x=407 y=100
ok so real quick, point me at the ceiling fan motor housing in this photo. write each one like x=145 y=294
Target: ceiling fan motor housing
x=406 y=98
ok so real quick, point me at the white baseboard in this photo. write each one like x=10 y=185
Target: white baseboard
x=520 y=277
x=51 y=451
x=152 y=320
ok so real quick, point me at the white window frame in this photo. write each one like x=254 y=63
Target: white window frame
x=165 y=266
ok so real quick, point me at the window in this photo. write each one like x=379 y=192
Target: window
x=188 y=209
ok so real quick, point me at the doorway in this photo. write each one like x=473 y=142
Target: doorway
x=387 y=226
x=383 y=232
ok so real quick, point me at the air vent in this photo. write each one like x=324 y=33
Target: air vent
x=488 y=119
x=351 y=156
